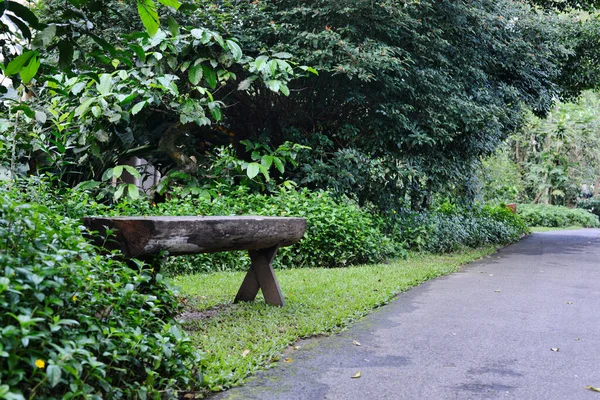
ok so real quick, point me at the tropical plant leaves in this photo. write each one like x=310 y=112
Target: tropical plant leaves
x=29 y=71
x=19 y=62
x=148 y=15
x=170 y=3
x=44 y=37
x=235 y=49
x=23 y=13
x=210 y=75
x=65 y=55
x=195 y=74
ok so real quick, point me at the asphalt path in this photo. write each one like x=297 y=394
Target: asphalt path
x=523 y=323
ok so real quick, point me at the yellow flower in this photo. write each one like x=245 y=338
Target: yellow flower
x=40 y=363
x=74 y=297
x=87 y=278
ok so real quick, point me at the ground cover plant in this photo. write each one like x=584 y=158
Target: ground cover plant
x=240 y=339
x=77 y=324
x=590 y=205
x=449 y=227
x=557 y=216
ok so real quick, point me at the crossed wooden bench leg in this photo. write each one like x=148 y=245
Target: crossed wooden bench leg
x=261 y=276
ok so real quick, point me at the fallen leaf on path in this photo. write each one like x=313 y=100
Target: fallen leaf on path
x=593 y=389
x=287 y=360
x=555 y=349
x=356 y=375
x=354 y=342
x=245 y=353
x=296 y=347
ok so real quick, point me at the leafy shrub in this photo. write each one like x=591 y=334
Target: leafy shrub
x=450 y=228
x=591 y=205
x=339 y=233
x=556 y=216
x=77 y=324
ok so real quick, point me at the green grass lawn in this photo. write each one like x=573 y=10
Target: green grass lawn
x=241 y=338
x=547 y=229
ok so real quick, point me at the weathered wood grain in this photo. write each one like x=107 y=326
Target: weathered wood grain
x=145 y=237
x=139 y=236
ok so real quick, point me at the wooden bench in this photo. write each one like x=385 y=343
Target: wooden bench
x=146 y=237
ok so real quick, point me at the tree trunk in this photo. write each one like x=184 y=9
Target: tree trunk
x=168 y=144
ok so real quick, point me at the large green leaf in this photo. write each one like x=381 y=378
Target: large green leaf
x=83 y=107
x=23 y=12
x=149 y=16
x=65 y=55
x=195 y=74
x=44 y=37
x=170 y=3
x=105 y=85
x=216 y=113
x=138 y=107
x=53 y=372
x=282 y=55
x=173 y=26
x=25 y=31
x=253 y=170
x=29 y=71
x=210 y=75
x=132 y=171
x=117 y=172
x=19 y=62
x=133 y=192
x=235 y=49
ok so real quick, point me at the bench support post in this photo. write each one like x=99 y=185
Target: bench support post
x=261 y=276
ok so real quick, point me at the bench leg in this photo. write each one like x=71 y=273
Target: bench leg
x=261 y=276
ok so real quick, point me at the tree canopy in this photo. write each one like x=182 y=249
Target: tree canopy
x=396 y=99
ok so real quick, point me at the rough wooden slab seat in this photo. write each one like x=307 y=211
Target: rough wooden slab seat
x=144 y=237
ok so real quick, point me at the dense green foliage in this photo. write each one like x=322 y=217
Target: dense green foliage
x=360 y=116
x=553 y=160
x=591 y=205
x=559 y=154
x=76 y=324
x=500 y=178
x=339 y=232
x=450 y=228
x=406 y=100
x=405 y=103
x=557 y=216
x=124 y=92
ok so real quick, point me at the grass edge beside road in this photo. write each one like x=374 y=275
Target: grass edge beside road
x=559 y=228
x=240 y=339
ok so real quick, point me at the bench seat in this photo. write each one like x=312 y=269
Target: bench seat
x=145 y=237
